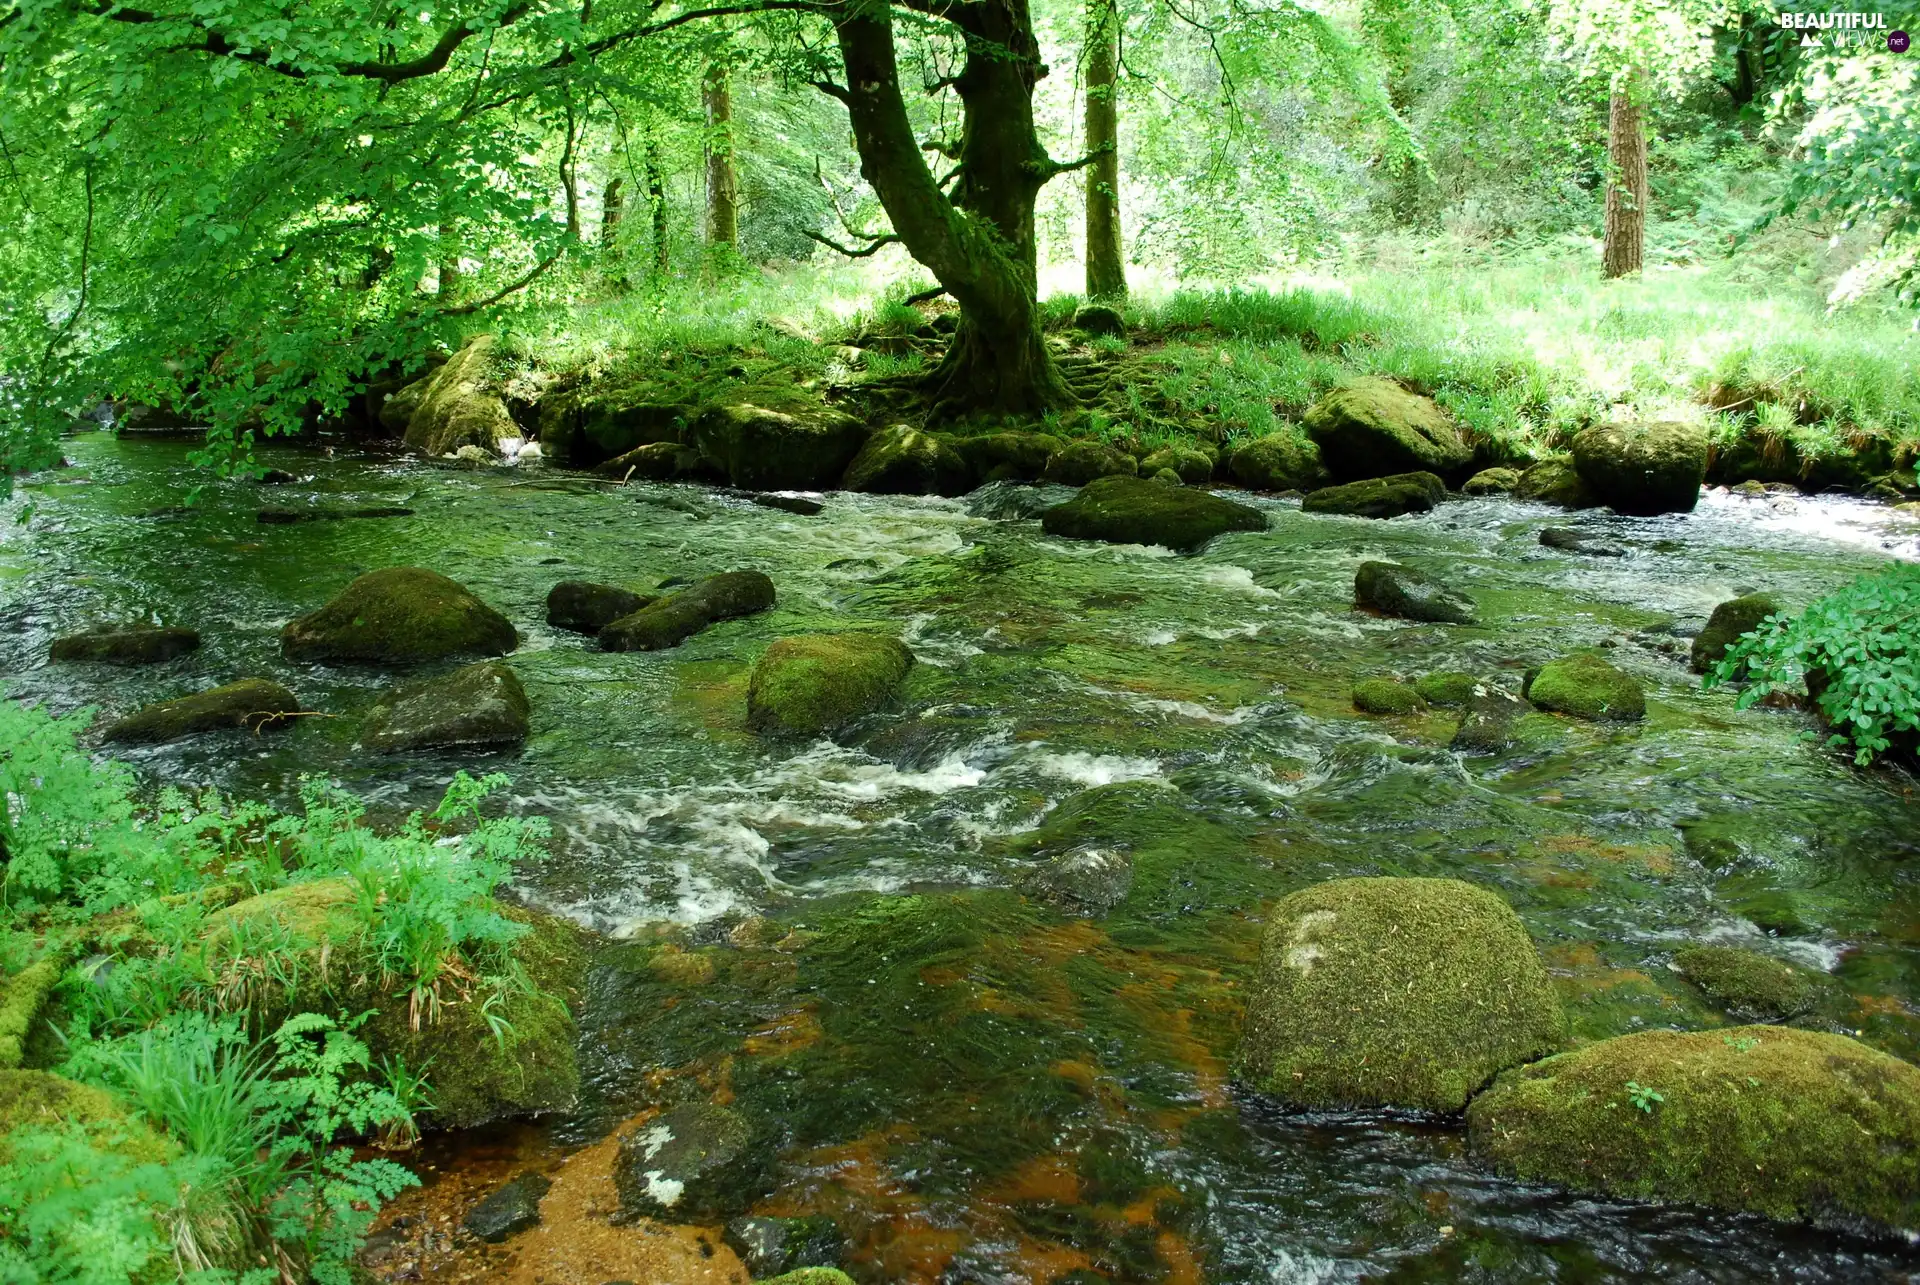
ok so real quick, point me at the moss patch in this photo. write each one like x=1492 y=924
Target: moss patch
x=1449 y=688
x=1791 y=1124
x=813 y=684
x=1586 y=686
x=1125 y=510
x=1384 y=696
x=1373 y=427
x=400 y=615
x=41 y=1100
x=1750 y=985
x=1555 y=481
x=1728 y=622
x=255 y=704
x=1394 y=992
x=21 y=998
x=1277 y=462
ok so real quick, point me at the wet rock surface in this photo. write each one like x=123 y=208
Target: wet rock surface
x=510 y=1210
x=1401 y=591
x=672 y=620
x=481 y=706
x=126 y=644
x=1125 y=510
x=1381 y=497
x=697 y=1163
x=775 y=1246
x=399 y=616
x=585 y=607
x=250 y=704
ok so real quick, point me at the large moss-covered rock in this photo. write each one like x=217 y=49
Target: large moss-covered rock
x=654 y=462
x=1195 y=468
x=1378 y=497
x=399 y=616
x=587 y=426
x=1086 y=460
x=697 y=1163
x=1586 y=686
x=1280 y=461
x=459 y=405
x=1384 y=696
x=1729 y=620
x=671 y=621
x=1394 y=992
x=586 y=608
x=1791 y=1124
x=816 y=683
x=126 y=644
x=1007 y=457
x=1099 y=319
x=255 y=704
x=478 y=1074
x=1492 y=481
x=1751 y=986
x=481 y=706
x=801 y=447
x=1373 y=428
x=1394 y=590
x=42 y=1100
x=902 y=460
x=1448 y=688
x=1129 y=510
x=1555 y=481
x=1643 y=469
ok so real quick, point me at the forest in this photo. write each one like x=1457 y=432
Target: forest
x=959 y=642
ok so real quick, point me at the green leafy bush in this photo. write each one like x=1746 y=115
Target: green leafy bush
x=1856 y=650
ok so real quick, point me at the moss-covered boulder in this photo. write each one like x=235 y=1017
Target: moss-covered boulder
x=654 y=462
x=1448 y=688
x=1586 y=686
x=1378 y=497
x=584 y=427
x=1007 y=457
x=459 y=405
x=671 y=621
x=1791 y=1124
x=805 y=446
x=810 y=1276
x=698 y=1163
x=1394 y=992
x=1085 y=460
x=1374 y=428
x=1099 y=319
x=1128 y=510
x=42 y=1100
x=902 y=460
x=479 y=707
x=1490 y=722
x=1730 y=620
x=478 y=1073
x=1751 y=986
x=817 y=683
x=254 y=704
x=1555 y=481
x=1280 y=461
x=126 y=644
x=1492 y=481
x=1195 y=468
x=399 y=616
x=1643 y=469
x=1384 y=696
x=586 y=608
x=22 y=996
x=1394 y=590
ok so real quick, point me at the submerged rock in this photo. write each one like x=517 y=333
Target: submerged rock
x=458 y=405
x=1099 y=319
x=1280 y=461
x=1751 y=986
x=811 y=1276
x=1490 y=722
x=255 y=704
x=1126 y=510
x=513 y=1207
x=1555 y=482
x=817 y=683
x=482 y=706
x=126 y=644
x=798 y=505
x=1008 y=502
x=697 y=1163
x=587 y=608
x=1730 y=620
x=804 y=448
x=902 y=460
x=1394 y=590
x=653 y=462
x=286 y=517
x=1375 y=428
x=1643 y=469
x=1379 y=497
x=1791 y=1124
x=1384 y=696
x=1492 y=481
x=1586 y=686
x=1567 y=540
x=1186 y=464
x=771 y=1246
x=1003 y=457
x=1394 y=992
x=671 y=621
x=1080 y=462
x=399 y=616
x=1087 y=882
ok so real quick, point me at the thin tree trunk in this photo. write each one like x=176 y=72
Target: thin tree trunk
x=1106 y=263
x=723 y=189
x=613 y=202
x=449 y=261
x=1626 y=216
x=657 y=202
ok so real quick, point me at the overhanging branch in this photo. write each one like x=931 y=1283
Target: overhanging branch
x=871 y=248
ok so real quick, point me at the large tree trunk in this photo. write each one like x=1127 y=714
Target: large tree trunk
x=979 y=245
x=1106 y=264
x=1626 y=219
x=723 y=188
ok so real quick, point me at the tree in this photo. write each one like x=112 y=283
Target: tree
x=1623 y=251
x=723 y=186
x=1106 y=263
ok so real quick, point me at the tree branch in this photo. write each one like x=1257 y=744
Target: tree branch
x=538 y=270
x=873 y=248
x=1050 y=168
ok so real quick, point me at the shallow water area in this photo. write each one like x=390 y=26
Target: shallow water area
x=830 y=934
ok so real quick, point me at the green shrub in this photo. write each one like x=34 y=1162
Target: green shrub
x=1858 y=652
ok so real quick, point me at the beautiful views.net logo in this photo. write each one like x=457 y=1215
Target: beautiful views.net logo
x=1838 y=29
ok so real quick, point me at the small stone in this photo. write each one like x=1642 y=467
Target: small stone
x=1384 y=696
x=1488 y=725
x=1087 y=882
x=799 y=505
x=1447 y=688
x=1750 y=986
x=1729 y=621
x=772 y=1246
x=1568 y=540
x=510 y=1210
x=1586 y=686
x=1492 y=481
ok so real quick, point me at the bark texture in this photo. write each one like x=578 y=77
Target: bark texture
x=723 y=187
x=1626 y=218
x=1106 y=262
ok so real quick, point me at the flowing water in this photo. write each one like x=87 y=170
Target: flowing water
x=828 y=935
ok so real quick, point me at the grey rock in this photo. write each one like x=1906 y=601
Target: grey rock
x=126 y=644
x=1568 y=540
x=775 y=1246
x=694 y=1164
x=587 y=608
x=1487 y=727
x=1088 y=882
x=479 y=706
x=510 y=1210
x=1395 y=590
